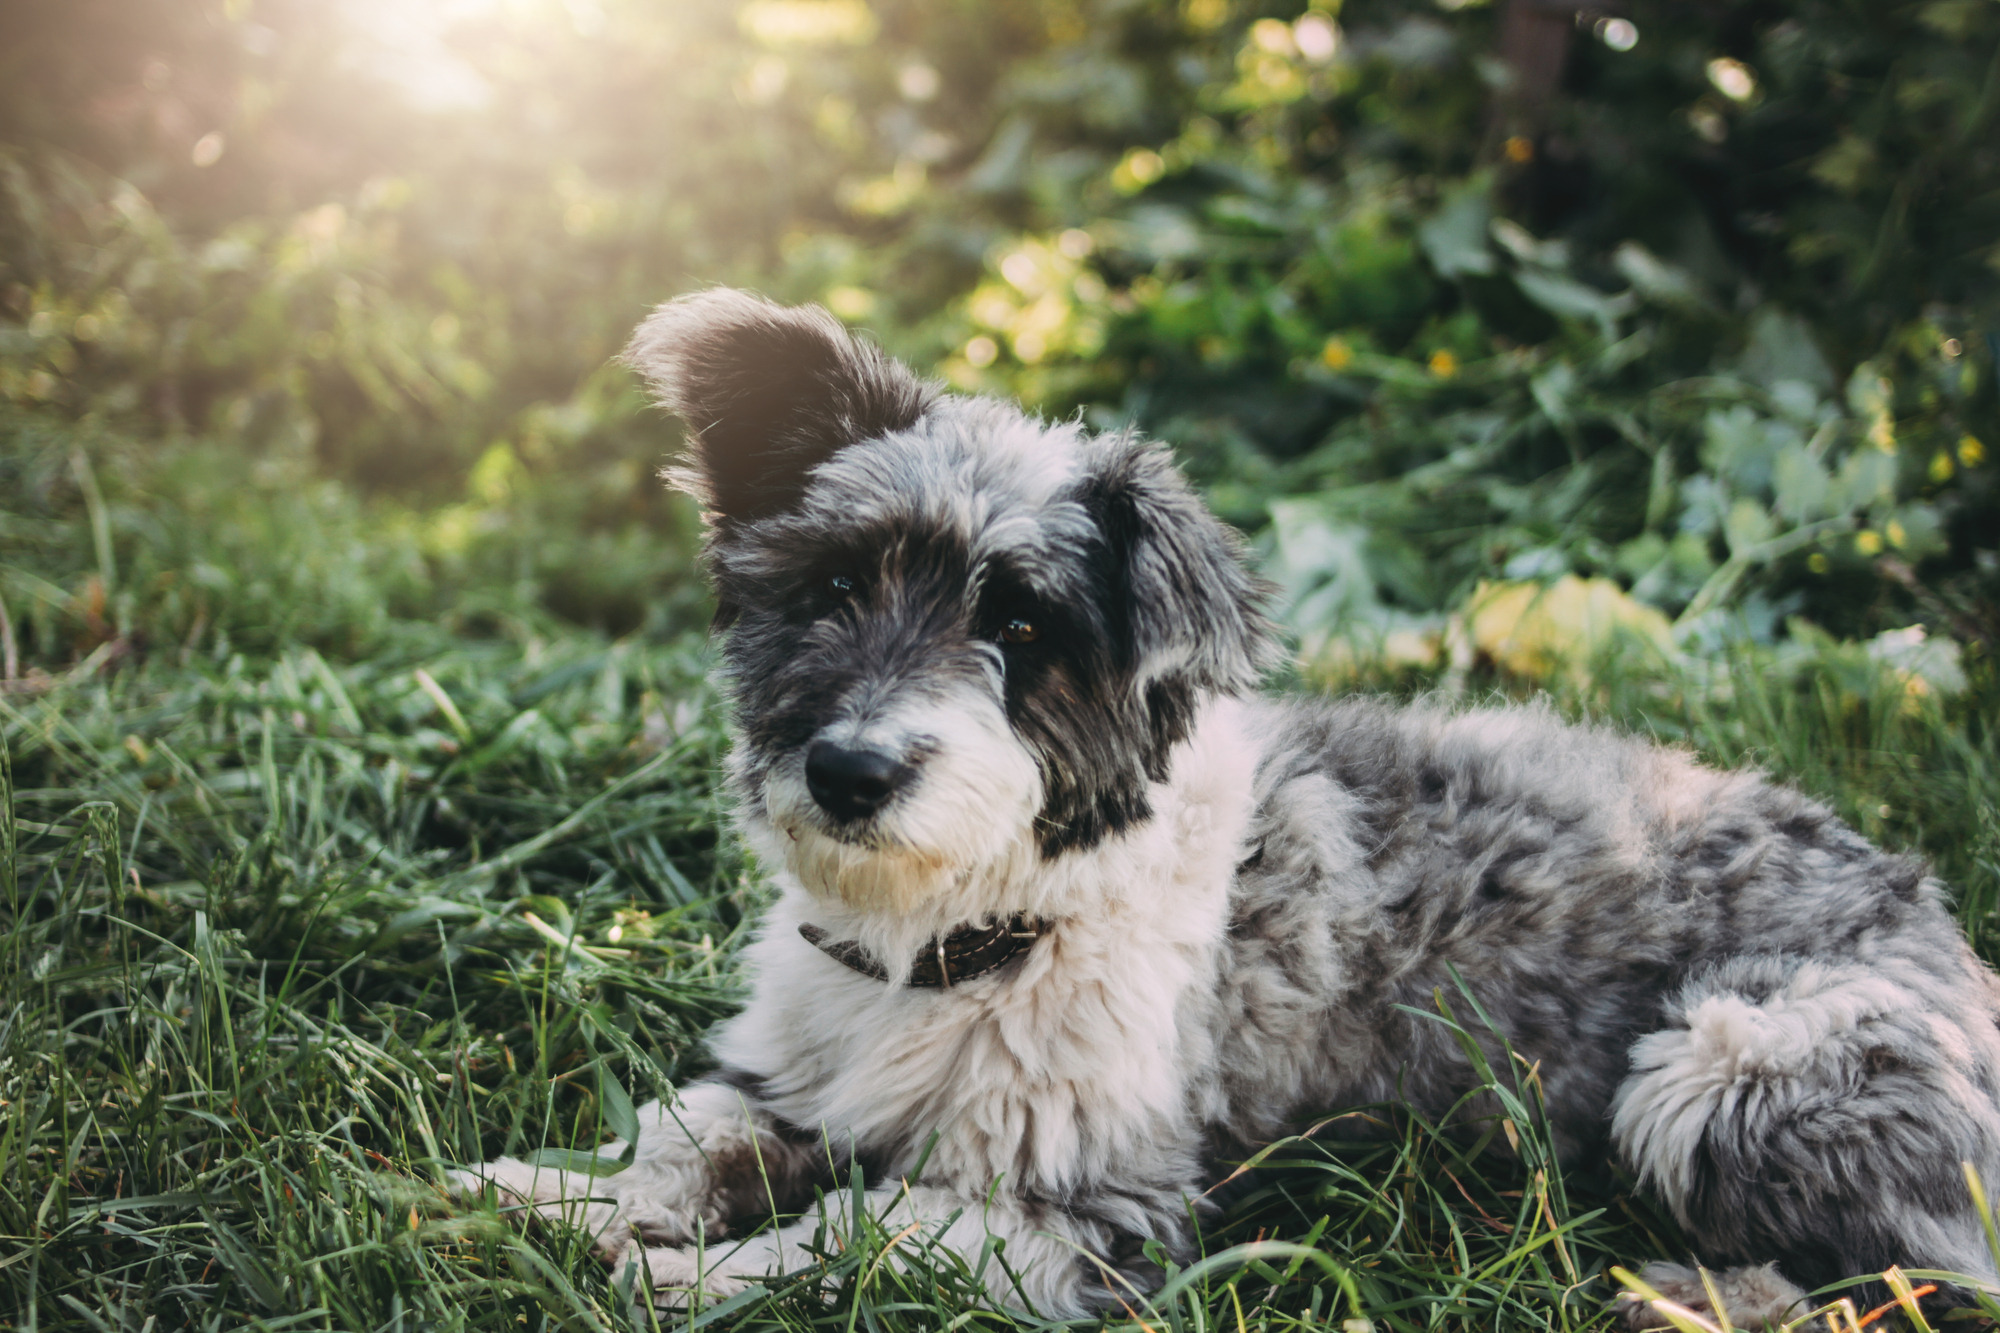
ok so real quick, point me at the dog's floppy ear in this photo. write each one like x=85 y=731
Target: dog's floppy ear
x=768 y=393
x=1184 y=603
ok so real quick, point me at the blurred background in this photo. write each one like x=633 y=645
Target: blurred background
x=1503 y=327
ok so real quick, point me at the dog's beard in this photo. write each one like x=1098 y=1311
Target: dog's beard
x=871 y=879
x=968 y=810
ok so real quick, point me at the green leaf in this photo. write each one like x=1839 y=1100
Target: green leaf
x=620 y=1116
x=1455 y=238
x=577 y=1163
x=1782 y=347
x=1802 y=486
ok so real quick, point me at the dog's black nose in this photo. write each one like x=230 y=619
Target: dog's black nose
x=852 y=784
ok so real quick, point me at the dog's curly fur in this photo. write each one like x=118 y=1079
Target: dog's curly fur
x=984 y=666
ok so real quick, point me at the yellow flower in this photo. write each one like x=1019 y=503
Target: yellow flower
x=1443 y=364
x=1893 y=530
x=1970 y=451
x=1941 y=467
x=1519 y=149
x=1818 y=563
x=1336 y=355
x=1868 y=542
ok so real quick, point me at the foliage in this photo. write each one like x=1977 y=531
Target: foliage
x=1714 y=317
x=112 y=548
x=1637 y=341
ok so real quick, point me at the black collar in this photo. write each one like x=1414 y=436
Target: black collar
x=968 y=952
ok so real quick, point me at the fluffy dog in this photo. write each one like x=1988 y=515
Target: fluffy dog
x=1063 y=899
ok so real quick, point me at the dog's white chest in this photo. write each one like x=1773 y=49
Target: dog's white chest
x=1049 y=1069
x=1041 y=1072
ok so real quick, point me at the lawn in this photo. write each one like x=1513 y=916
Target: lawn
x=287 y=930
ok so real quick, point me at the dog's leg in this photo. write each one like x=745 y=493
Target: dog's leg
x=1816 y=1114
x=1753 y=1298
x=569 y=1197
x=711 y=1156
x=1061 y=1263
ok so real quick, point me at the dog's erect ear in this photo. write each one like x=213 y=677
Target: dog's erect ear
x=768 y=393
x=1183 y=600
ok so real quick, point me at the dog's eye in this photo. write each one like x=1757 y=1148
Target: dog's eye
x=1019 y=630
x=840 y=587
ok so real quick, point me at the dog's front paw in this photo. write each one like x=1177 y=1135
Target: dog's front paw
x=542 y=1194
x=677 y=1274
x=518 y=1185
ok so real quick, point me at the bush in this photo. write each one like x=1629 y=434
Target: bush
x=1708 y=307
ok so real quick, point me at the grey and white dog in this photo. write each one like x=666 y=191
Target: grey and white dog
x=1060 y=891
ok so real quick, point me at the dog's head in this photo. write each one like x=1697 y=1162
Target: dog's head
x=956 y=635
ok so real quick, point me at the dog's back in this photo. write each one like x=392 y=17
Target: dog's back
x=1773 y=1020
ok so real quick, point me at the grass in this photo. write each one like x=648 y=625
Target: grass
x=291 y=920
x=276 y=946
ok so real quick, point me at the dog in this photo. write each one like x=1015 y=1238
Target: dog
x=1072 y=916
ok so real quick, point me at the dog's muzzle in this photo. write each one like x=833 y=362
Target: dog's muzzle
x=852 y=784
